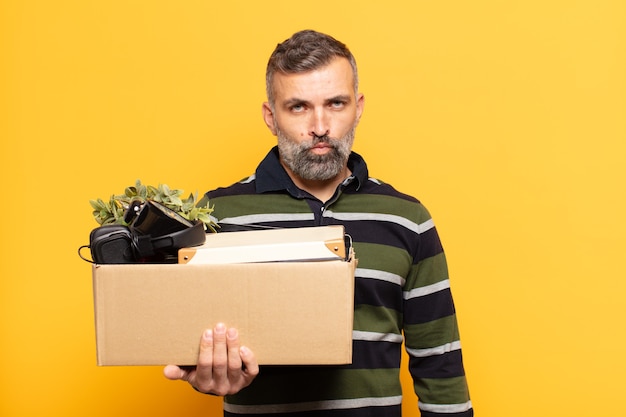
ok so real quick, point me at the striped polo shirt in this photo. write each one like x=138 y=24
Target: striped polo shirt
x=402 y=294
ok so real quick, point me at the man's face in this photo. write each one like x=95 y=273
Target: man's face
x=314 y=117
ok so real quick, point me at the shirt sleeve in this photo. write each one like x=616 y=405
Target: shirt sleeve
x=431 y=332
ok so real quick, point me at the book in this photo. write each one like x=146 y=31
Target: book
x=300 y=244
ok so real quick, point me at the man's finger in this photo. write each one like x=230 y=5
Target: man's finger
x=174 y=373
x=220 y=354
x=204 y=367
x=249 y=363
x=234 y=358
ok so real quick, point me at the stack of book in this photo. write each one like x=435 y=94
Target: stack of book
x=322 y=243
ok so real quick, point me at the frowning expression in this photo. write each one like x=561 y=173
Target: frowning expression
x=314 y=116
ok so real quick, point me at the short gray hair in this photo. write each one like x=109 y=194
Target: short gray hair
x=304 y=51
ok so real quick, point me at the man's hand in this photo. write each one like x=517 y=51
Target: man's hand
x=223 y=366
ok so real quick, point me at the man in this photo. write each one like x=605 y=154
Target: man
x=310 y=179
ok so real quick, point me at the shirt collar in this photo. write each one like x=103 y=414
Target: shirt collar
x=271 y=176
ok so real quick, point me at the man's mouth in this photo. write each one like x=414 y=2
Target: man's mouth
x=321 y=148
x=322 y=145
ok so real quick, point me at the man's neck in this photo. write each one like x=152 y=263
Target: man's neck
x=320 y=189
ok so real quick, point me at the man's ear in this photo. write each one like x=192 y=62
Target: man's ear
x=268 y=117
x=360 y=105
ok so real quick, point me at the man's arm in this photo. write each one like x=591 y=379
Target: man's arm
x=431 y=333
x=224 y=367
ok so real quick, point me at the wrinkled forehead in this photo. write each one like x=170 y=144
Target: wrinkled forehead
x=333 y=79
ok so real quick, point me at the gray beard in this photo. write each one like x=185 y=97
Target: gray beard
x=308 y=166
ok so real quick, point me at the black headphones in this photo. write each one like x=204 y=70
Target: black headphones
x=154 y=236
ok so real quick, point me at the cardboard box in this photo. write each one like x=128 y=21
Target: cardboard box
x=288 y=313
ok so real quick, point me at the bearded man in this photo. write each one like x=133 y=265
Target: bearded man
x=402 y=290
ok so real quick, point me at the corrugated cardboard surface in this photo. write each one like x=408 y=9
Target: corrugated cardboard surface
x=287 y=313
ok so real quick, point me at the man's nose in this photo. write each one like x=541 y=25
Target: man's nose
x=319 y=123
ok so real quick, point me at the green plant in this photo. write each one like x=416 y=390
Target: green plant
x=112 y=211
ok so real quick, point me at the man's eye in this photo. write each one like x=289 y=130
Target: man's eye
x=297 y=108
x=337 y=104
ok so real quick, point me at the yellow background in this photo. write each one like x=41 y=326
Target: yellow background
x=506 y=118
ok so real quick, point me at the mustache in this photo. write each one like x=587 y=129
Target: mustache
x=321 y=139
